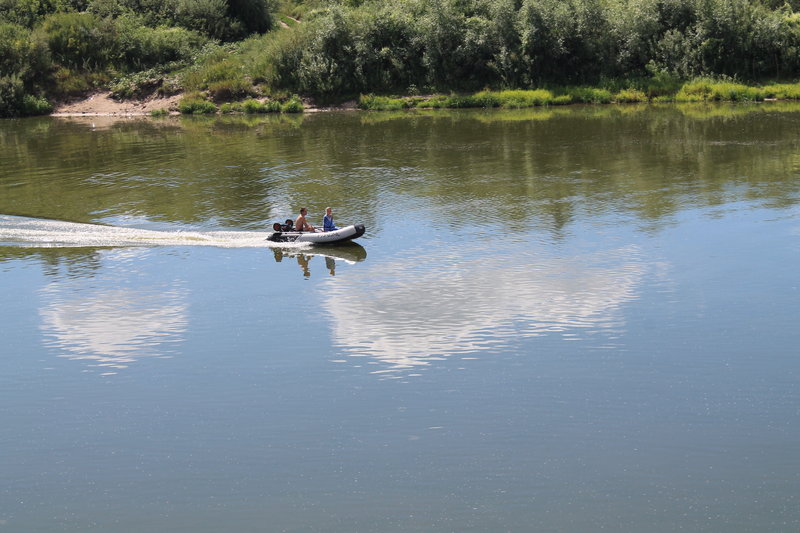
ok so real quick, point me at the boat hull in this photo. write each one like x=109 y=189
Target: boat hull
x=322 y=237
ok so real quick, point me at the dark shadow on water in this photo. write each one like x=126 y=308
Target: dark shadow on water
x=343 y=253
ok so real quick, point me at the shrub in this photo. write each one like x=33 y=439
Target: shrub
x=293 y=105
x=158 y=113
x=19 y=52
x=209 y=17
x=80 y=40
x=69 y=82
x=254 y=15
x=142 y=47
x=661 y=82
x=35 y=105
x=11 y=94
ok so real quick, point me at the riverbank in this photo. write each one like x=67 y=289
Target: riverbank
x=103 y=103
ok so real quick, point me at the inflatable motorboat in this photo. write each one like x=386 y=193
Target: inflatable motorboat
x=284 y=234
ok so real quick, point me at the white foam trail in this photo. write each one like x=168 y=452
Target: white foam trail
x=34 y=232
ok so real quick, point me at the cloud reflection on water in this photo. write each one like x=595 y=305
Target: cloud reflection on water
x=110 y=321
x=426 y=306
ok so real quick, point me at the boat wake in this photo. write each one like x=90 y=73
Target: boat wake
x=42 y=233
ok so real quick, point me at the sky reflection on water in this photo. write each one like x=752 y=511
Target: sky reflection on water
x=109 y=319
x=459 y=299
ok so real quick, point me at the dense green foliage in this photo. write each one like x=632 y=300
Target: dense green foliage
x=471 y=44
x=227 y=50
x=54 y=48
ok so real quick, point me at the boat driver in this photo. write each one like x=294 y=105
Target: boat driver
x=301 y=224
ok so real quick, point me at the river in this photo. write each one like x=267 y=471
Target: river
x=559 y=320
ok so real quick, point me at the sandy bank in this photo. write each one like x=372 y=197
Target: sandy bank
x=101 y=104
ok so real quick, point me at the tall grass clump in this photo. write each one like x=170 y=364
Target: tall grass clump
x=292 y=105
x=221 y=72
x=782 y=91
x=230 y=89
x=196 y=105
x=708 y=90
x=520 y=99
x=252 y=106
x=630 y=96
x=433 y=102
x=589 y=95
x=370 y=102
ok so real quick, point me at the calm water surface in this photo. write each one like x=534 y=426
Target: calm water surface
x=559 y=320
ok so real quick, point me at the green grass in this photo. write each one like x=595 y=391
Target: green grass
x=522 y=99
x=486 y=99
x=782 y=91
x=589 y=95
x=288 y=21
x=196 y=105
x=381 y=103
x=630 y=96
x=251 y=106
x=708 y=90
x=697 y=90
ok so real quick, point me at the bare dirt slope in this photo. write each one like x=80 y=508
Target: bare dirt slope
x=101 y=104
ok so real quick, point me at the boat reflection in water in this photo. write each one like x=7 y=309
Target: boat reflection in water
x=349 y=253
x=461 y=300
x=110 y=319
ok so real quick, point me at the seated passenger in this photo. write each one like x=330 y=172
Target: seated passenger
x=301 y=224
x=327 y=221
x=288 y=225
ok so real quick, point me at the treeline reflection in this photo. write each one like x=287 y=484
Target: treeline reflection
x=540 y=167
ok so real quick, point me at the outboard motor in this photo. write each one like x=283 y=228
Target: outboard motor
x=275 y=237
